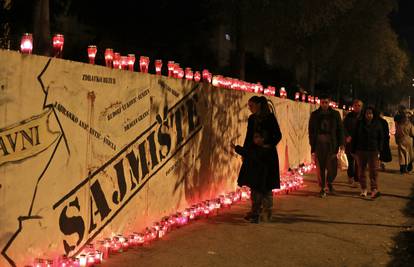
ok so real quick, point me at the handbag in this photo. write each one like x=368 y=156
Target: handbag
x=342 y=160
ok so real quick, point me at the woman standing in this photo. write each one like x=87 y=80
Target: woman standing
x=367 y=144
x=260 y=167
x=404 y=133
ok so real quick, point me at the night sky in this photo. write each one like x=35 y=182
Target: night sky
x=403 y=23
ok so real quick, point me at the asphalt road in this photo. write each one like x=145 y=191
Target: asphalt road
x=340 y=230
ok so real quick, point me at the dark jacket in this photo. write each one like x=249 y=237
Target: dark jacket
x=368 y=137
x=350 y=123
x=334 y=128
x=385 y=153
x=260 y=167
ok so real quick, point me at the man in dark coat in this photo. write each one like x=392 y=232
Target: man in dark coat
x=385 y=154
x=350 y=123
x=326 y=136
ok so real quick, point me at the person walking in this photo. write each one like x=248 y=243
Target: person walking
x=350 y=122
x=260 y=167
x=404 y=133
x=326 y=136
x=385 y=153
x=367 y=144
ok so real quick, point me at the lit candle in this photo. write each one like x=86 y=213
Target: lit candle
x=92 y=50
x=176 y=70
x=171 y=66
x=131 y=61
x=26 y=43
x=124 y=62
x=283 y=93
x=39 y=263
x=297 y=96
x=58 y=41
x=188 y=74
x=109 y=56
x=98 y=256
x=143 y=64
x=158 y=66
x=117 y=61
x=91 y=259
x=216 y=79
x=197 y=76
x=82 y=260
x=206 y=75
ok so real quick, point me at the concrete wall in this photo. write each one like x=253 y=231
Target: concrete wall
x=87 y=151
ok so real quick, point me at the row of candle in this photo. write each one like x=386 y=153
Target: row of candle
x=117 y=61
x=94 y=254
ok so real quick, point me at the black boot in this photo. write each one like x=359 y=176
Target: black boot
x=410 y=167
x=254 y=219
x=403 y=169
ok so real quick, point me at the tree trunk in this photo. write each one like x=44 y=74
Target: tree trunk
x=42 y=43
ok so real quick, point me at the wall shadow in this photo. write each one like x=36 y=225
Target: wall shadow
x=220 y=114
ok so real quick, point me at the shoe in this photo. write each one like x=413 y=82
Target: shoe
x=322 y=194
x=350 y=180
x=354 y=185
x=331 y=189
x=254 y=219
x=375 y=194
x=410 y=167
x=364 y=193
x=248 y=216
x=266 y=216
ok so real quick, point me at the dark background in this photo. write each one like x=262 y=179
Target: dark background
x=318 y=47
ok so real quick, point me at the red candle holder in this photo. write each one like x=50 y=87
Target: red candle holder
x=303 y=97
x=188 y=74
x=283 y=93
x=206 y=75
x=131 y=62
x=143 y=64
x=92 y=53
x=26 y=44
x=259 y=88
x=176 y=70
x=116 y=63
x=39 y=262
x=209 y=77
x=109 y=57
x=180 y=73
x=83 y=261
x=297 y=96
x=158 y=66
x=215 y=81
x=197 y=76
x=124 y=62
x=170 y=66
x=58 y=41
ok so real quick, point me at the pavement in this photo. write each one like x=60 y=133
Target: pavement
x=306 y=230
